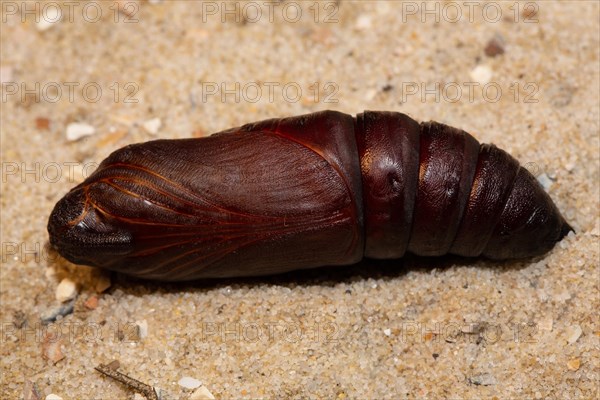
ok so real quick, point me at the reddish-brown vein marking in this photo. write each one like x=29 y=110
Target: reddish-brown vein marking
x=338 y=172
x=224 y=251
x=182 y=188
x=264 y=232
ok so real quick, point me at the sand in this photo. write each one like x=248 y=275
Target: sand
x=524 y=76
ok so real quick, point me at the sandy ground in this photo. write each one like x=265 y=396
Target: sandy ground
x=413 y=328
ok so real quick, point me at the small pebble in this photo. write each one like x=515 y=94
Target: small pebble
x=50 y=17
x=91 y=303
x=66 y=290
x=138 y=396
x=189 y=383
x=152 y=125
x=495 y=46
x=545 y=181
x=51 y=348
x=61 y=310
x=483 y=380
x=573 y=333
x=370 y=94
x=202 y=393
x=53 y=396
x=570 y=166
x=77 y=130
x=546 y=324
x=42 y=123
x=482 y=74
x=363 y=22
x=142 y=328
x=574 y=364
x=387 y=332
x=50 y=273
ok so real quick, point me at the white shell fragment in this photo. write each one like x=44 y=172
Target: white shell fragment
x=573 y=333
x=482 y=74
x=49 y=17
x=189 y=383
x=152 y=125
x=545 y=181
x=77 y=130
x=202 y=393
x=66 y=290
x=363 y=22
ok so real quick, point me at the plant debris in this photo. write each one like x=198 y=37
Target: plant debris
x=110 y=370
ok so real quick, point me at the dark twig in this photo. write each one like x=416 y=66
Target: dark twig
x=146 y=390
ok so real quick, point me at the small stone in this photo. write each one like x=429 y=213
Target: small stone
x=77 y=130
x=60 y=311
x=570 y=166
x=573 y=333
x=482 y=74
x=152 y=125
x=363 y=22
x=546 y=324
x=41 y=123
x=574 y=364
x=387 y=332
x=50 y=273
x=91 y=303
x=50 y=17
x=545 y=181
x=66 y=290
x=370 y=94
x=137 y=396
x=202 y=393
x=51 y=348
x=495 y=46
x=53 y=396
x=142 y=328
x=189 y=383
x=483 y=380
